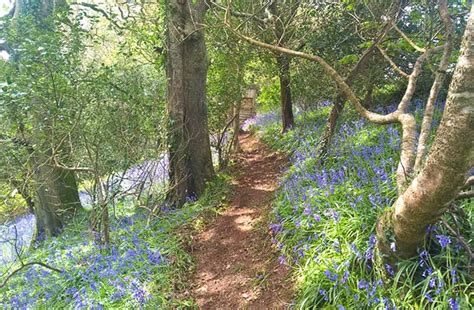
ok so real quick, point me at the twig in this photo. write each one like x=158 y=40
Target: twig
x=460 y=238
x=465 y=195
x=392 y=63
x=410 y=41
x=22 y=264
x=26 y=265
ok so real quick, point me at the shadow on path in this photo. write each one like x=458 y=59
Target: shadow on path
x=236 y=265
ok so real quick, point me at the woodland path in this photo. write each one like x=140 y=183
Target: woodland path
x=237 y=266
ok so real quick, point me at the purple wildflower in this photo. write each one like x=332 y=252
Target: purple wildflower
x=282 y=260
x=389 y=269
x=443 y=240
x=453 y=304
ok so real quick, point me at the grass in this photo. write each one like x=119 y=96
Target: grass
x=324 y=221
x=146 y=265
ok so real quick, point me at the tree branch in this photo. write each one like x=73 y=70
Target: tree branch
x=336 y=77
x=75 y=169
x=460 y=238
x=97 y=9
x=413 y=44
x=24 y=266
x=392 y=63
x=436 y=86
x=240 y=14
x=469 y=182
x=465 y=195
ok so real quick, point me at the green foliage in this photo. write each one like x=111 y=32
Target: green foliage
x=68 y=79
x=269 y=97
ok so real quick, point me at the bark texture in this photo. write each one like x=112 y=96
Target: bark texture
x=449 y=160
x=56 y=198
x=187 y=64
x=330 y=128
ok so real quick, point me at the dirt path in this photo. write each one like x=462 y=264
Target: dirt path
x=237 y=267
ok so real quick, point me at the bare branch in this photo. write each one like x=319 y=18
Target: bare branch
x=24 y=266
x=392 y=63
x=225 y=129
x=460 y=238
x=469 y=182
x=336 y=77
x=403 y=106
x=75 y=169
x=362 y=63
x=410 y=41
x=240 y=14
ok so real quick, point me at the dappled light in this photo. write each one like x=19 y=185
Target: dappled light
x=218 y=154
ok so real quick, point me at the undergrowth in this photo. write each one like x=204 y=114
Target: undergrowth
x=145 y=266
x=324 y=221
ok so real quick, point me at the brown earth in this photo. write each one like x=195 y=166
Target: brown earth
x=236 y=264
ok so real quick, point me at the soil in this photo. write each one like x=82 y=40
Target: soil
x=236 y=265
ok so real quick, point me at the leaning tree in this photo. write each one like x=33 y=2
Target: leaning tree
x=425 y=195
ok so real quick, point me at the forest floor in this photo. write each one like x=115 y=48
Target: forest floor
x=236 y=265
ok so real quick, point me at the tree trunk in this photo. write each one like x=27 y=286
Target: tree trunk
x=448 y=163
x=235 y=143
x=331 y=123
x=57 y=198
x=187 y=63
x=288 y=121
x=56 y=189
x=338 y=106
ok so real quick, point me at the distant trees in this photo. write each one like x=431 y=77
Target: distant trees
x=280 y=23
x=423 y=197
